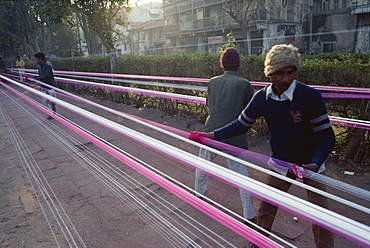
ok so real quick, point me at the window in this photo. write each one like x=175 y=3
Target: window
x=213 y=11
x=199 y=14
x=263 y=14
x=290 y=10
x=325 y=5
x=336 y=4
x=328 y=47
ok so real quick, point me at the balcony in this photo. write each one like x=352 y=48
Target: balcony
x=198 y=24
x=360 y=9
x=184 y=26
x=171 y=28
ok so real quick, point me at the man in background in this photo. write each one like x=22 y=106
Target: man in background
x=20 y=64
x=228 y=94
x=46 y=75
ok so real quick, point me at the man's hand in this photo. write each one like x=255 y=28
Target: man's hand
x=312 y=167
x=198 y=137
x=27 y=77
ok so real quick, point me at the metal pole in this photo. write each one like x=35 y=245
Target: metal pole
x=310 y=6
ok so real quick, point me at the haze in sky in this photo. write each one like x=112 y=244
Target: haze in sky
x=139 y=2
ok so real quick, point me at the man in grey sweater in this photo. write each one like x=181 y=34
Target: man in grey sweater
x=228 y=94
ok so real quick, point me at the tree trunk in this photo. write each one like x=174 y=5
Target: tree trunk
x=91 y=39
x=245 y=40
x=354 y=144
x=249 y=42
x=30 y=31
x=358 y=137
x=49 y=30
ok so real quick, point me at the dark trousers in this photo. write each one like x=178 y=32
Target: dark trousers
x=266 y=213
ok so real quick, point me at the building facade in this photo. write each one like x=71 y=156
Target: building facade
x=202 y=25
x=314 y=26
x=143 y=33
x=186 y=27
x=361 y=9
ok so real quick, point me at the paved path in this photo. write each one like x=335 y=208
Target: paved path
x=81 y=207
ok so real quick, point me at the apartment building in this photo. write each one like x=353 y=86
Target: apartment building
x=314 y=26
x=190 y=26
x=143 y=33
x=361 y=10
x=334 y=26
x=202 y=25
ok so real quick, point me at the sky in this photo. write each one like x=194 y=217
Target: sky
x=139 y=2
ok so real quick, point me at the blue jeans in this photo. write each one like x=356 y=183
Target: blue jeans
x=201 y=181
x=48 y=104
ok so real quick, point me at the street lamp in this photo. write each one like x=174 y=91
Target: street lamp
x=310 y=6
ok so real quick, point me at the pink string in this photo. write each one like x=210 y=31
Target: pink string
x=229 y=223
x=216 y=214
x=137 y=91
x=203 y=80
x=354 y=125
x=174 y=97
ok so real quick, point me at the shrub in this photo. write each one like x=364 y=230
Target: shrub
x=331 y=69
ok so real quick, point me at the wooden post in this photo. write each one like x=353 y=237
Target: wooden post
x=113 y=65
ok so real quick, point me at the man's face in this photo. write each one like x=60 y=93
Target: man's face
x=39 y=61
x=282 y=79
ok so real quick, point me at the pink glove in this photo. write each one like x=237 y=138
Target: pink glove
x=198 y=137
x=299 y=171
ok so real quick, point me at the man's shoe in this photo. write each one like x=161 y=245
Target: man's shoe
x=253 y=220
x=49 y=117
x=198 y=196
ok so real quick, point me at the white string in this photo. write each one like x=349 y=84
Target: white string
x=57 y=140
x=157 y=84
x=15 y=137
x=31 y=167
x=188 y=87
x=190 y=98
x=356 y=191
x=100 y=165
x=148 y=140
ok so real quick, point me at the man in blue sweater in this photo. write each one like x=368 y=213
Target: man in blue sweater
x=299 y=127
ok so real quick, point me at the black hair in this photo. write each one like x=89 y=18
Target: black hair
x=40 y=55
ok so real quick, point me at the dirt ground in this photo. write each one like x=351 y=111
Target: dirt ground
x=23 y=225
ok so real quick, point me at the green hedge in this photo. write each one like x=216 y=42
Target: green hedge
x=334 y=69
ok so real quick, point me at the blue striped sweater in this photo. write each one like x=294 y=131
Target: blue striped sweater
x=300 y=130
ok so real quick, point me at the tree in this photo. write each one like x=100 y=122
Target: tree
x=101 y=17
x=16 y=27
x=230 y=43
x=92 y=39
x=31 y=23
x=49 y=13
x=64 y=47
x=243 y=12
